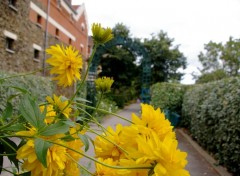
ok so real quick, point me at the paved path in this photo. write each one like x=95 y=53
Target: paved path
x=199 y=162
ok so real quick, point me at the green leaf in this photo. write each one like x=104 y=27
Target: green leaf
x=13 y=96
x=10 y=148
x=56 y=128
x=7 y=111
x=31 y=113
x=82 y=100
x=24 y=91
x=41 y=148
x=85 y=141
x=1 y=157
x=23 y=174
x=69 y=123
x=16 y=127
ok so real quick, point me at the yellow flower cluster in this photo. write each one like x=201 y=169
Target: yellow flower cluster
x=101 y=35
x=61 y=158
x=60 y=161
x=148 y=142
x=104 y=84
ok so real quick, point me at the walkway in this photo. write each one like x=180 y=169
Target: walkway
x=199 y=162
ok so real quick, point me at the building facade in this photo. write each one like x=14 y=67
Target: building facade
x=28 y=27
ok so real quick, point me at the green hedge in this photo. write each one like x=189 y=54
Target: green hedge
x=39 y=87
x=168 y=96
x=212 y=113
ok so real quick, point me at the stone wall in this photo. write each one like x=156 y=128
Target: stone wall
x=16 y=20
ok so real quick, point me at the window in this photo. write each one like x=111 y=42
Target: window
x=36 y=52
x=81 y=47
x=57 y=33
x=12 y=4
x=83 y=27
x=58 y=4
x=10 y=40
x=71 y=17
x=10 y=44
x=39 y=20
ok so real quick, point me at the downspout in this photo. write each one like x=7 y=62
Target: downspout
x=46 y=38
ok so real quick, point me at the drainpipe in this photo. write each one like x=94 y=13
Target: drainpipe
x=46 y=38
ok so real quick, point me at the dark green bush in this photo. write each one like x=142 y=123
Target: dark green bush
x=168 y=96
x=212 y=113
x=39 y=87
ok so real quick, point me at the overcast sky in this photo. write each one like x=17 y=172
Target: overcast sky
x=192 y=23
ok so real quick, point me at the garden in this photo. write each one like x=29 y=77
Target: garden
x=44 y=134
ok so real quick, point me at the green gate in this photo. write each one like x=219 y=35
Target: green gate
x=132 y=46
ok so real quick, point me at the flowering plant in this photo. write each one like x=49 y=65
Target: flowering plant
x=52 y=142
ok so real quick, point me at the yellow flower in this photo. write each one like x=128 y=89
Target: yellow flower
x=66 y=64
x=155 y=120
x=168 y=159
x=30 y=133
x=51 y=114
x=132 y=172
x=106 y=171
x=56 y=159
x=76 y=143
x=103 y=84
x=105 y=149
x=71 y=169
x=59 y=105
x=101 y=35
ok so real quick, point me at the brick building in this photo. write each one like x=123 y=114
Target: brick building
x=27 y=27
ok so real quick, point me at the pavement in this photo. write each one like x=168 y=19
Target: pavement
x=200 y=163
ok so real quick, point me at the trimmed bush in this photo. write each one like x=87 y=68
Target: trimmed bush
x=38 y=86
x=168 y=97
x=212 y=113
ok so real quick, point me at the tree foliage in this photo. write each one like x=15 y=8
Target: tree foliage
x=220 y=60
x=165 y=57
x=125 y=68
x=118 y=62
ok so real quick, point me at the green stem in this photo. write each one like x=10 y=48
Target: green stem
x=123 y=150
x=8 y=154
x=86 y=73
x=83 y=80
x=99 y=101
x=82 y=167
x=107 y=112
x=9 y=145
x=94 y=120
x=99 y=162
x=9 y=171
x=23 y=74
x=8 y=124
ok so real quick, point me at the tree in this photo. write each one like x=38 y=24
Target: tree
x=119 y=63
x=231 y=56
x=211 y=60
x=213 y=76
x=166 y=59
x=220 y=58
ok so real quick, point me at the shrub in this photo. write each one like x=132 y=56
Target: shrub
x=212 y=113
x=38 y=86
x=168 y=97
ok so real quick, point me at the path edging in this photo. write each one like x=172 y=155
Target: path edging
x=219 y=169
